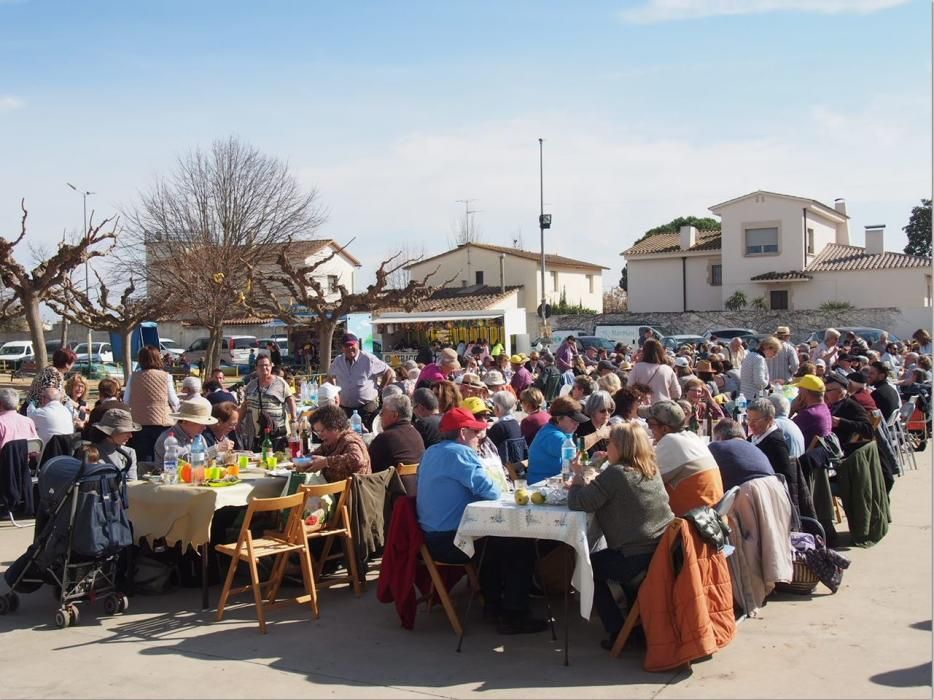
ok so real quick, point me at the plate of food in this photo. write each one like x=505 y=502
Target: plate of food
x=220 y=483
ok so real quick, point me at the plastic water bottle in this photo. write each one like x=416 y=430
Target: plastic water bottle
x=313 y=393
x=568 y=452
x=170 y=460
x=740 y=406
x=198 y=452
x=356 y=422
x=303 y=391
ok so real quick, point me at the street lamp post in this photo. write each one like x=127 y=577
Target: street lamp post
x=544 y=221
x=87 y=278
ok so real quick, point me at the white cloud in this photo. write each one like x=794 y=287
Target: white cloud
x=605 y=185
x=667 y=10
x=8 y=103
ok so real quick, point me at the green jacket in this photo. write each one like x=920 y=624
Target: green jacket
x=865 y=501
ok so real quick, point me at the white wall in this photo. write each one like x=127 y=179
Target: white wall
x=462 y=264
x=702 y=296
x=903 y=289
x=654 y=285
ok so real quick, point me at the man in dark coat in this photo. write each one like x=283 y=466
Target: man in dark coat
x=884 y=394
x=850 y=420
x=399 y=441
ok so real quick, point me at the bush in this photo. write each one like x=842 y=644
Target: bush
x=836 y=306
x=736 y=302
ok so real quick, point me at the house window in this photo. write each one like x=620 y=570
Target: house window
x=478 y=275
x=554 y=280
x=778 y=300
x=762 y=241
x=590 y=283
x=332 y=283
x=716 y=275
x=810 y=241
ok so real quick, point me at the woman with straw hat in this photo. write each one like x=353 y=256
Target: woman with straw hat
x=190 y=421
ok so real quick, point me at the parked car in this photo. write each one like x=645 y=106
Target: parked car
x=100 y=353
x=281 y=341
x=14 y=353
x=752 y=340
x=728 y=333
x=52 y=345
x=585 y=342
x=673 y=342
x=870 y=335
x=630 y=334
x=235 y=349
x=170 y=347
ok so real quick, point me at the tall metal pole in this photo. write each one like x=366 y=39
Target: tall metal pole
x=87 y=283
x=541 y=225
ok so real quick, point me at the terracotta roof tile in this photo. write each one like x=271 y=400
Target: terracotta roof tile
x=778 y=276
x=671 y=243
x=550 y=259
x=835 y=258
x=474 y=298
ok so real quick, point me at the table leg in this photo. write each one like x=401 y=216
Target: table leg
x=567 y=594
x=460 y=641
x=204 y=575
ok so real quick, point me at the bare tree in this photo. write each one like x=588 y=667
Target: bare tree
x=219 y=214
x=30 y=288
x=410 y=251
x=294 y=295
x=120 y=315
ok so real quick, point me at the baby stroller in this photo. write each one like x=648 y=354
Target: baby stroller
x=81 y=529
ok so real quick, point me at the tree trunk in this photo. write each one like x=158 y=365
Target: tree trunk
x=31 y=308
x=325 y=336
x=127 y=334
x=212 y=356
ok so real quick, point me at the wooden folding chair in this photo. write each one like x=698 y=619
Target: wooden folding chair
x=280 y=544
x=634 y=616
x=408 y=474
x=438 y=588
x=337 y=525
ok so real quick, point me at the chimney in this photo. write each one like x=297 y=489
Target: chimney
x=843 y=230
x=688 y=237
x=875 y=239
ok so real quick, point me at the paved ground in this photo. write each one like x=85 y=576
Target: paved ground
x=872 y=639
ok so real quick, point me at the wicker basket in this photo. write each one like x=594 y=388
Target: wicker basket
x=803 y=581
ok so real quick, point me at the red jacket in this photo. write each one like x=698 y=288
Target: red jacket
x=401 y=571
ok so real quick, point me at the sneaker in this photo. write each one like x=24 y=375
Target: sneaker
x=522 y=625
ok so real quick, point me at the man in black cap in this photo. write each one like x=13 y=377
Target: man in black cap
x=850 y=421
x=361 y=377
x=605 y=367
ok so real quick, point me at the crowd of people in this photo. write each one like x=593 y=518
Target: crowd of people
x=672 y=432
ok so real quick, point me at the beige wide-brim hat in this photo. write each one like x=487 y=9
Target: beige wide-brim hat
x=195 y=411
x=116 y=420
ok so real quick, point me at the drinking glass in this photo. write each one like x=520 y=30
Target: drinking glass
x=243 y=462
x=271 y=462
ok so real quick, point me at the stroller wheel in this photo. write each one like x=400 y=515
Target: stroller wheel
x=73 y=614
x=8 y=602
x=124 y=604
x=112 y=604
x=62 y=618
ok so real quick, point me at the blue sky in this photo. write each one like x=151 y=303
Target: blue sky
x=650 y=109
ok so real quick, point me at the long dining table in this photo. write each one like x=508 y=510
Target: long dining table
x=183 y=513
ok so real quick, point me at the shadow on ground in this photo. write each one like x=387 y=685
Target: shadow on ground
x=913 y=677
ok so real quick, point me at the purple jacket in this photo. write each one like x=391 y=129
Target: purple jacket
x=564 y=356
x=521 y=380
x=813 y=421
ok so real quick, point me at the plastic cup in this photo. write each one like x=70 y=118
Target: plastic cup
x=271 y=462
x=197 y=475
x=233 y=470
x=243 y=462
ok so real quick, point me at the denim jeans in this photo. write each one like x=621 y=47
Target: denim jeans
x=611 y=565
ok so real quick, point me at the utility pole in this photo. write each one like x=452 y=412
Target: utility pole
x=87 y=278
x=543 y=223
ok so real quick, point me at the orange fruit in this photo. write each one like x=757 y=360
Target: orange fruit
x=184 y=473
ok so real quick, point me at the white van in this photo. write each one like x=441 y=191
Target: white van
x=628 y=335
x=13 y=353
x=235 y=349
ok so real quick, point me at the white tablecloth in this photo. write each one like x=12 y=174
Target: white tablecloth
x=504 y=518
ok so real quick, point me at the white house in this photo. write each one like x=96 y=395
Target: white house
x=791 y=252
x=471 y=264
